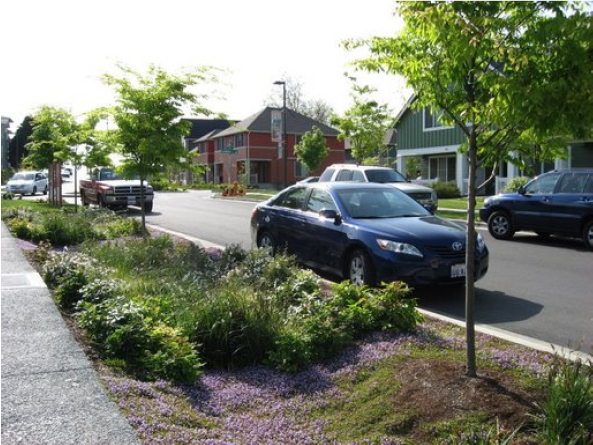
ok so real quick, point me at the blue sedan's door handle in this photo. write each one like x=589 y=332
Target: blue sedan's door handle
x=546 y=199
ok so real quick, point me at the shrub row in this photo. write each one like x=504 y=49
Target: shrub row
x=173 y=303
x=130 y=333
x=65 y=228
x=446 y=190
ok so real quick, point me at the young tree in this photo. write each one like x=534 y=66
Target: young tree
x=148 y=118
x=495 y=70
x=54 y=134
x=364 y=124
x=312 y=149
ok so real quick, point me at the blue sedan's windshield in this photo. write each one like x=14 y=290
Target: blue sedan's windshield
x=379 y=203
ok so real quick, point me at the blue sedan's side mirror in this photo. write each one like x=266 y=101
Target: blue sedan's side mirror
x=521 y=190
x=330 y=214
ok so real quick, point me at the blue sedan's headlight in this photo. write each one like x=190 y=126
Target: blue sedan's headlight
x=396 y=247
x=480 y=244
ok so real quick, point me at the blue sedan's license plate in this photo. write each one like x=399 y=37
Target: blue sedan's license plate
x=458 y=270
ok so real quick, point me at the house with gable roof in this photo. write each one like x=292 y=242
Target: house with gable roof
x=247 y=147
x=421 y=135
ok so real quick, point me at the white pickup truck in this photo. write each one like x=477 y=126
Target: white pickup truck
x=107 y=189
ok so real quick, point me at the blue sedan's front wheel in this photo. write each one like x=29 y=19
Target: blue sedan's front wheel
x=360 y=269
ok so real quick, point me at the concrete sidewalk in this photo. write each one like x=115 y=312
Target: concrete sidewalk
x=50 y=392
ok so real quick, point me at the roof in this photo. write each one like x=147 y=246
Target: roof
x=200 y=127
x=296 y=123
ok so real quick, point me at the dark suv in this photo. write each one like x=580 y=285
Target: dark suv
x=382 y=175
x=558 y=202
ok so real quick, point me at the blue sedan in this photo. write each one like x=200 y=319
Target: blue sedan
x=367 y=233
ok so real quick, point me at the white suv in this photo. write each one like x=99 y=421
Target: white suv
x=384 y=175
x=24 y=183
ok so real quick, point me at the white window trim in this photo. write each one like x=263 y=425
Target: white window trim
x=442 y=127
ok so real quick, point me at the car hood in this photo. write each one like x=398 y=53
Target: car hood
x=123 y=182
x=424 y=230
x=409 y=187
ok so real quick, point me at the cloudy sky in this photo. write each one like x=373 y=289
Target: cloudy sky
x=55 y=52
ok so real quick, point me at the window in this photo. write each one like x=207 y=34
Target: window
x=543 y=185
x=293 y=199
x=327 y=175
x=573 y=183
x=431 y=119
x=239 y=140
x=300 y=170
x=344 y=175
x=220 y=144
x=442 y=168
x=358 y=176
x=320 y=200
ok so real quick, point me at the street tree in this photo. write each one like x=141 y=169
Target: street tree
x=55 y=132
x=312 y=149
x=364 y=124
x=148 y=117
x=496 y=70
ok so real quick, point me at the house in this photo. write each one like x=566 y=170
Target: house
x=249 y=146
x=199 y=128
x=420 y=134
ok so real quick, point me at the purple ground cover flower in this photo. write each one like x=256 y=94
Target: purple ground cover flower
x=258 y=405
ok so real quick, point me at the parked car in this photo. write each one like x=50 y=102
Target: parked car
x=558 y=203
x=28 y=182
x=383 y=175
x=367 y=233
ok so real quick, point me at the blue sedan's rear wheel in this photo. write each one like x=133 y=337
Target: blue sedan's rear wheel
x=266 y=241
x=360 y=269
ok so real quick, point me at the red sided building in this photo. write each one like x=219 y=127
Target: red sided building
x=250 y=146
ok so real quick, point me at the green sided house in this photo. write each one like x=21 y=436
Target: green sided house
x=421 y=135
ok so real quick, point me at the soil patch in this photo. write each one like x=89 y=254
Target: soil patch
x=438 y=390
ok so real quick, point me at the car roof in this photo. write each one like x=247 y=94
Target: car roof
x=360 y=167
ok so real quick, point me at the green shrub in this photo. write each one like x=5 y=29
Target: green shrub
x=99 y=290
x=68 y=291
x=566 y=415
x=129 y=335
x=235 y=325
x=20 y=227
x=8 y=196
x=446 y=190
x=514 y=184
x=320 y=325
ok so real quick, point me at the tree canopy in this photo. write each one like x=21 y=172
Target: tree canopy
x=312 y=149
x=500 y=72
x=148 y=115
x=364 y=124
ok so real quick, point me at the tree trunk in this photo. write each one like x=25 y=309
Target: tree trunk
x=142 y=211
x=470 y=291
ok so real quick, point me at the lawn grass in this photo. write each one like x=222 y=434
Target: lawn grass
x=459 y=203
x=40 y=205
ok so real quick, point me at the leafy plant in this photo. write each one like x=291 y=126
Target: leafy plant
x=566 y=415
x=514 y=184
x=445 y=190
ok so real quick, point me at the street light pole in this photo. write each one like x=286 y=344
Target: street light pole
x=284 y=142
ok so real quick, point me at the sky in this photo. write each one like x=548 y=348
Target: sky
x=55 y=52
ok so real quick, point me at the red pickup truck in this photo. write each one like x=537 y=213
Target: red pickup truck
x=107 y=189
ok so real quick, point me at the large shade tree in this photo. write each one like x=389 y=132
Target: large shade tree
x=148 y=117
x=498 y=71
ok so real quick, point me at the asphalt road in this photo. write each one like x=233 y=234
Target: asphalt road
x=541 y=288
